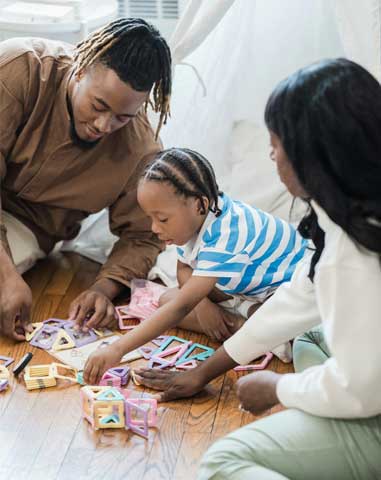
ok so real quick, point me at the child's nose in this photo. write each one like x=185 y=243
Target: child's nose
x=155 y=228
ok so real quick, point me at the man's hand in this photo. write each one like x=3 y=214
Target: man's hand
x=175 y=384
x=93 y=307
x=92 y=310
x=15 y=306
x=99 y=362
x=257 y=391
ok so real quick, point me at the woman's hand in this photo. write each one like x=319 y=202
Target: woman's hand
x=99 y=362
x=175 y=384
x=257 y=391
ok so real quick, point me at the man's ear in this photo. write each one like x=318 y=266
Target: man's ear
x=202 y=205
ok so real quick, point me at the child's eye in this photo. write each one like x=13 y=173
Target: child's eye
x=163 y=220
x=97 y=109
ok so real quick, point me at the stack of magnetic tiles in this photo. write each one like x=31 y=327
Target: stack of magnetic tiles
x=44 y=376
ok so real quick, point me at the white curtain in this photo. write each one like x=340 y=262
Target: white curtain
x=359 y=24
x=241 y=49
x=254 y=46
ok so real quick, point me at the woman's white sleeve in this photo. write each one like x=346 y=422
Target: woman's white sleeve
x=290 y=311
x=348 y=384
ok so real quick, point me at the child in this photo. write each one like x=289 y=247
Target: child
x=232 y=256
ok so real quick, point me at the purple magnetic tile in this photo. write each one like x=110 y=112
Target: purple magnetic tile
x=122 y=372
x=159 y=340
x=79 y=337
x=3 y=385
x=159 y=363
x=45 y=337
x=7 y=360
x=138 y=426
x=146 y=352
x=55 y=322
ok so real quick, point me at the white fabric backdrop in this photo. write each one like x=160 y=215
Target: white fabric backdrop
x=243 y=48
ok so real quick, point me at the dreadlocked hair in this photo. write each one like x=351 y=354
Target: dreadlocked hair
x=138 y=54
x=189 y=173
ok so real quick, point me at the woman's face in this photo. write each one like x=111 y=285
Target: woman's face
x=285 y=170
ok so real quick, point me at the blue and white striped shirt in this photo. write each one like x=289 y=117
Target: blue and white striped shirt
x=250 y=251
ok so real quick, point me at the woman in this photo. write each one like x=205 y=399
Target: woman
x=325 y=128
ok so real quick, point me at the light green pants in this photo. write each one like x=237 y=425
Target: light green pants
x=295 y=445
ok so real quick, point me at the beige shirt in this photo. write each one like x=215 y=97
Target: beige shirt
x=51 y=184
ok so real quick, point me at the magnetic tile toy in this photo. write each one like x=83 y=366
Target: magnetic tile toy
x=257 y=366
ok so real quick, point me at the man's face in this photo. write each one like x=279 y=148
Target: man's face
x=101 y=103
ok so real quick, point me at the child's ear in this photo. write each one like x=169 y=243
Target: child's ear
x=202 y=205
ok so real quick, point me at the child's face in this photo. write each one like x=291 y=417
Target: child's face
x=285 y=170
x=175 y=219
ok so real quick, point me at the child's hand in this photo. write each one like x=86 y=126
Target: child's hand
x=175 y=384
x=99 y=362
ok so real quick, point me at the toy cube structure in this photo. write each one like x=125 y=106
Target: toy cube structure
x=103 y=407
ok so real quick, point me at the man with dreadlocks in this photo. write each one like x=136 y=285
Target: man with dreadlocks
x=74 y=138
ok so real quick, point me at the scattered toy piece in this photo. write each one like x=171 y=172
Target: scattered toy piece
x=36 y=327
x=257 y=366
x=7 y=360
x=3 y=384
x=19 y=367
x=134 y=379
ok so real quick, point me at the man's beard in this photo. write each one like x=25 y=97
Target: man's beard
x=73 y=133
x=78 y=140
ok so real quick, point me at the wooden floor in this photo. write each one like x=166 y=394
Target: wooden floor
x=42 y=434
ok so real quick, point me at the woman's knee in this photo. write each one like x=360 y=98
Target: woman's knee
x=217 y=461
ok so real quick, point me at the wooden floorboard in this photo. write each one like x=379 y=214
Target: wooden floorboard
x=42 y=434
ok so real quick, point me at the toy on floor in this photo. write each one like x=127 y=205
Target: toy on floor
x=19 y=367
x=182 y=356
x=114 y=377
x=144 y=302
x=105 y=407
x=7 y=360
x=4 y=378
x=57 y=334
x=257 y=366
x=44 y=376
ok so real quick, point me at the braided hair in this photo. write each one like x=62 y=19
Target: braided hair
x=137 y=53
x=190 y=173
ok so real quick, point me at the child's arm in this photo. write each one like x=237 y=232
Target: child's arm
x=184 y=273
x=167 y=316
x=186 y=384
